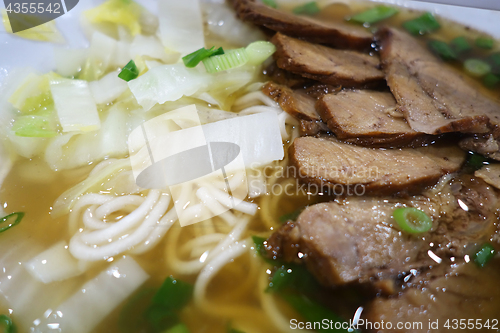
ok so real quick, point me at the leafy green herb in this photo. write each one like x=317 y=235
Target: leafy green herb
x=494 y=61
x=412 y=220
x=309 y=8
x=293 y=277
x=460 y=45
x=422 y=25
x=179 y=328
x=476 y=161
x=270 y=3
x=193 y=59
x=18 y=217
x=491 y=80
x=292 y=216
x=484 y=255
x=313 y=311
x=260 y=247
x=7 y=324
x=374 y=15
x=477 y=67
x=484 y=42
x=442 y=49
x=129 y=72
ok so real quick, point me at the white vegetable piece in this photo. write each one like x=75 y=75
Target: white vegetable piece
x=181 y=25
x=103 y=48
x=69 y=61
x=55 y=264
x=108 y=88
x=75 y=105
x=167 y=83
x=150 y=46
x=95 y=300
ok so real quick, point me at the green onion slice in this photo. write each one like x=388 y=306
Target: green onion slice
x=270 y=3
x=484 y=42
x=422 y=25
x=258 y=52
x=179 y=328
x=485 y=254
x=309 y=8
x=476 y=161
x=18 y=217
x=477 y=67
x=193 y=59
x=129 y=72
x=491 y=80
x=443 y=50
x=374 y=15
x=230 y=59
x=7 y=323
x=461 y=45
x=412 y=220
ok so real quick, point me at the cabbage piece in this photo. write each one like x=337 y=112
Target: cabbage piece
x=119 y=12
x=167 y=83
x=55 y=264
x=34 y=93
x=181 y=25
x=75 y=105
x=150 y=46
x=222 y=22
x=107 y=89
x=46 y=32
x=43 y=124
x=74 y=150
x=69 y=61
x=95 y=300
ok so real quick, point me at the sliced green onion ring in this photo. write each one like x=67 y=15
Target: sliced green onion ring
x=230 y=59
x=477 y=67
x=129 y=72
x=484 y=42
x=309 y=8
x=412 y=220
x=374 y=15
x=422 y=24
x=193 y=59
x=443 y=50
x=258 y=52
x=19 y=216
x=460 y=44
x=7 y=323
x=484 y=255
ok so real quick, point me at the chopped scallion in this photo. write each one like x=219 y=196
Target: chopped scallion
x=193 y=59
x=179 y=328
x=18 y=217
x=491 y=80
x=129 y=72
x=477 y=67
x=484 y=255
x=476 y=161
x=309 y=8
x=259 y=51
x=443 y=50
x=270 y=3
x=230 y=59
x=460 y=45
x=422 y=24
x=484 y=42
x=260 y=245
x=7 y=324
x=374 y=15
x=412 y=220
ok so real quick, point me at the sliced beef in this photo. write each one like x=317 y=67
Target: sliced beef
x=433 y=97
x=312 y=128
x=370 y=115
x=286 y=78
x=346 y=242
x=357 y=240
x=328 y=163
x=327 y=65
x=296 y=102
x=490 y=174
x=485 y=145
x=341 y=35
x=464 y=292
